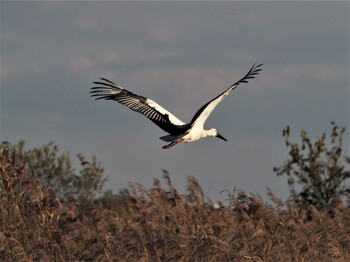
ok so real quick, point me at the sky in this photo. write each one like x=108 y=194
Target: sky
x=180 y=54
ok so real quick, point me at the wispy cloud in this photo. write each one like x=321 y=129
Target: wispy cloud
x=164 y=33
x=110 y=55
x=86 y=22
x=5 y=68
x=81 y=63
x=320 y=72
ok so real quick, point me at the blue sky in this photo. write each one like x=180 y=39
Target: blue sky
x=180 y=54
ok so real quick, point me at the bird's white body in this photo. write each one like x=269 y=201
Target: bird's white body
x=196 y=133
x=179 y=132
x=193 y=134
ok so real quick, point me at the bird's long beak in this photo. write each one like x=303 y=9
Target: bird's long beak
x=221 y=137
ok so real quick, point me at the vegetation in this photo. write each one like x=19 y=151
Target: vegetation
x=48 y=213
x=322 y=172
x=56 y=171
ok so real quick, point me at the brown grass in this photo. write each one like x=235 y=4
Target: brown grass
x=159 y=224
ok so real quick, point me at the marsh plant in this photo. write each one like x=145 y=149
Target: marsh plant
x=50 y=212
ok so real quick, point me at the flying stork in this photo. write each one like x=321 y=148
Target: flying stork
x=179 y=132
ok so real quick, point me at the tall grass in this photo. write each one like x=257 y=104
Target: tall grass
x=159 y=224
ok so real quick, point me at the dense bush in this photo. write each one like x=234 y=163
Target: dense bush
x=48 y=213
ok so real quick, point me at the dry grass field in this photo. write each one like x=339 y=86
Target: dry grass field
x=160 y=224
x=40 y=223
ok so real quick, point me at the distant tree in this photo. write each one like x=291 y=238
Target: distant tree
x=318 y=172
x=56 y=170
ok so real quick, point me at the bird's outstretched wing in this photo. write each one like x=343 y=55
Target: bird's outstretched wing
x=108 y=90
x=203 y=113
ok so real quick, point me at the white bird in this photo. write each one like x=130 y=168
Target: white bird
x=179 y=132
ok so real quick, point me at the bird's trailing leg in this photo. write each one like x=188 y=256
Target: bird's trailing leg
x=173 y=143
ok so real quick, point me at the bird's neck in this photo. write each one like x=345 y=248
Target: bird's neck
x=206 y=133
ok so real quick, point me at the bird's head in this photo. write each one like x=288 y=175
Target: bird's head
x=215 y=133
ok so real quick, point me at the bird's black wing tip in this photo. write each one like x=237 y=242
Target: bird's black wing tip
x=257 y=68
x=98 y=83
x=97 y=87
x=253 y=71
x=105 y=97
x=107 y=80
x=94 y=91
x=107 y=83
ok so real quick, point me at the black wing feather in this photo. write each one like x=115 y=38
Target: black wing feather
x=254 y=70
x=108 y=90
